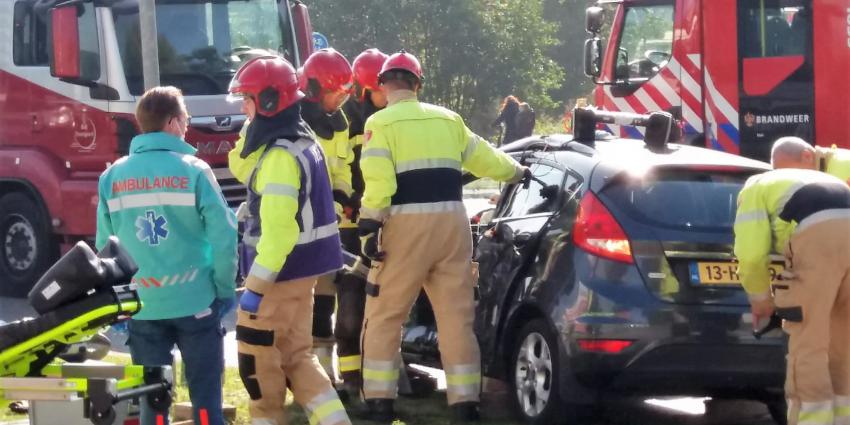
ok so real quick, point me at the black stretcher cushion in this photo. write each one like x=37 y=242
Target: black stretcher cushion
x=15 y=333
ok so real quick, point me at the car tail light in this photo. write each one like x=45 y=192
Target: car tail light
x=598 y=232
x=608 y=346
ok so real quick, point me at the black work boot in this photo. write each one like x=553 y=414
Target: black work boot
x=377 y=410
x=350 y=387
x=466 y=411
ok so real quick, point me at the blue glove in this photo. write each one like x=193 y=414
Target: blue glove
x=224 y=305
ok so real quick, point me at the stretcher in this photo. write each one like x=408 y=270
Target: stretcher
x=79 y=296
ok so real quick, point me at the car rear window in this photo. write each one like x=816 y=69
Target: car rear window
x=685 y=199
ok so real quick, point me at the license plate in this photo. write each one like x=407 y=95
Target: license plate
x=723 y=273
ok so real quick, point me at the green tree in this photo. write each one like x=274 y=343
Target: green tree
x=474 y=52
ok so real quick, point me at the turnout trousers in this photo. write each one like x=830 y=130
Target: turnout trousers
x=273 y=331
x=430 y=251
x=817 y=259
x=351 y=299
x=324 y=304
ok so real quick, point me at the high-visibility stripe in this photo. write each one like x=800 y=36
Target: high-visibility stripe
x=815 y=413
x=841 y=410
x=380 y=375
x=153 y=199
x=326 y=409
x=751 y=216
x=821 y=216
x=422 y=164
x=263 y=273
x=471 y=145
x=463 y=379
x=280 y=190
x=320 y=232
x=428 y=208
x=376 y=153
x=349 y=363
x=373 y=213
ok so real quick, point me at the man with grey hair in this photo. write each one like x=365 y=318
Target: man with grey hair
x=794 y=152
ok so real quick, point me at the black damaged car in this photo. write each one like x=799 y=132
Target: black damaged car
x=612 y=271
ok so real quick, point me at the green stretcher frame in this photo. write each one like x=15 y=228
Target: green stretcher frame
x=18 y=361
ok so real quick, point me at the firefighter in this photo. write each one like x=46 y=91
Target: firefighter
x=806 y=215
x=292 y=224
x=414 y=228
x=351 y=295
x=326 y=80
x=794 y=152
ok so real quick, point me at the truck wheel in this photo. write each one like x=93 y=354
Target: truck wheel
x=534 y=376
x=27 y=247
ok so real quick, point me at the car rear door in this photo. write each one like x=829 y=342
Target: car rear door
x=511 y=242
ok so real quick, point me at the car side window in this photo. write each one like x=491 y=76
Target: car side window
x=541 y=194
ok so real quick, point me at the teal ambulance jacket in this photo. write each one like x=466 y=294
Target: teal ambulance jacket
x=166 y=207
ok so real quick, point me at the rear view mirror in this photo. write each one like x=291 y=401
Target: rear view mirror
x=303 y=31
x=74 y=48
x=593 y=19
x=593 y=57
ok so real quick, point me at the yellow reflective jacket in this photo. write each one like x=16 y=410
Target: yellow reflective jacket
x=413 y=154
x=339 y=155
x=834 y=161
x=279 y=227
x=769 y=208
x=239 y=167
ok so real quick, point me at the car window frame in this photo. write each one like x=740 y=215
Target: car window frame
x=508 y=193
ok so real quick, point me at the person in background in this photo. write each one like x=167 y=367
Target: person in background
x=518 y=119
x=166 y=207
x=507 y=119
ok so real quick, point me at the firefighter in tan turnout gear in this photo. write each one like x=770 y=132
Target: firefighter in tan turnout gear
x=806 y=215
x=326 y=80
x=351 y=287
x=794 y=152
x=292 y=226
x=414 y=228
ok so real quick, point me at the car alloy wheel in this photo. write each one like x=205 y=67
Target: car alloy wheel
x=533 y=374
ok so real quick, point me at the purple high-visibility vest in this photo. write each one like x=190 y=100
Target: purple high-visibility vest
x=318 y=250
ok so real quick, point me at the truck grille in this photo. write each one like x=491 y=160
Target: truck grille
x=234 y=192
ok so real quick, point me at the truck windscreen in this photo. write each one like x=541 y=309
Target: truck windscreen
x=203 y=43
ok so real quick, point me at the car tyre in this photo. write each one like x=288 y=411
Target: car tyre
x=27 y=247
x=534 y=377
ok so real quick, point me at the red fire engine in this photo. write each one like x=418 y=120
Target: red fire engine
x=68 y=88
x=737 y=73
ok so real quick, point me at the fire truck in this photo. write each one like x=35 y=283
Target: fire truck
x=68 y=88
x=737 y=73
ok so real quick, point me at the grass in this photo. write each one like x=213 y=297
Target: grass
x=420 y=411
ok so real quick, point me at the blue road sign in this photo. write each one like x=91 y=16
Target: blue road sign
x=320 y=41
